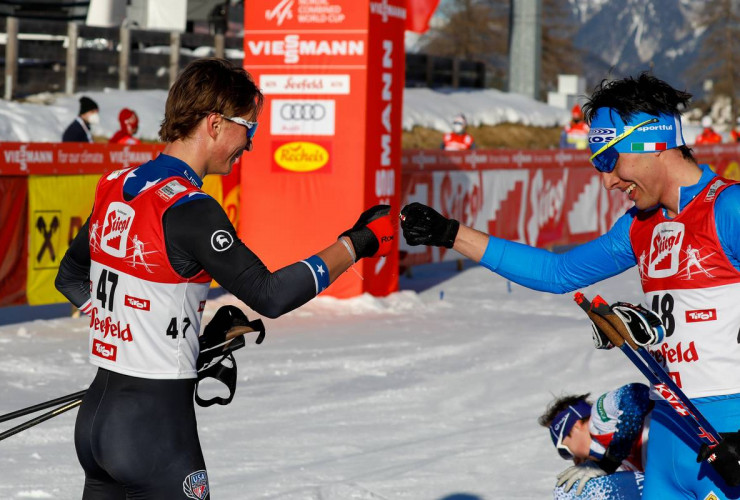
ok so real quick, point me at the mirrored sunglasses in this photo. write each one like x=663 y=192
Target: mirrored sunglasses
x=251 y=126
x=605 y=159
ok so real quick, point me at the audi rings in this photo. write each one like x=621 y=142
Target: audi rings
x=303 y=111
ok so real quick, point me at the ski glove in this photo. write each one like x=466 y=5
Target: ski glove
x=724 y=457
x=422 y=225
x=643 y=325
x=582 y=472
x=373 y=233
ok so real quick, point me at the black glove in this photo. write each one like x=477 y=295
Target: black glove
x=724 y=457
x=373 y=233
x=422 y=225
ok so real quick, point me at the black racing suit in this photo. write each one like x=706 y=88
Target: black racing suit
x=137 y=437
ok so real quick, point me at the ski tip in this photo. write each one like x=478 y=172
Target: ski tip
x=579 y=297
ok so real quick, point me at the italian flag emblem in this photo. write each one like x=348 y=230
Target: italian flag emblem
x=643 y=147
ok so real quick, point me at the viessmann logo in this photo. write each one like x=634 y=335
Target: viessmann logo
x=301 y=156
x=292 y=48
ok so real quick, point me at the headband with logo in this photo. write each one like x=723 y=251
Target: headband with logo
x=665 y=133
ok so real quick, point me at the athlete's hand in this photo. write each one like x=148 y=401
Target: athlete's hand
x=725 y=457
x=373 y=233
x=581 y=473
x=422 y=225
x=643 y=325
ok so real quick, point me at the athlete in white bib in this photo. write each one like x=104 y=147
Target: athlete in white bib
x=141 y=267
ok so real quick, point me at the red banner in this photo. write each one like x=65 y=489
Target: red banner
x=13 y=240
x=541 y=198
x=328 y=146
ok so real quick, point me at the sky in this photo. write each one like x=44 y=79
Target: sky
x=431 y=393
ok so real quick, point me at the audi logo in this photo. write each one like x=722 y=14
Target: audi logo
x=303 y=112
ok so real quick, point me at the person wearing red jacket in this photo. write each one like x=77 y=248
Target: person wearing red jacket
x=575 y=134
x=129 y=126
x=458 y=139
x=708 y=135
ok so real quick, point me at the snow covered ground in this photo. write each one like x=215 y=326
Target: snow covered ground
x=425 y=395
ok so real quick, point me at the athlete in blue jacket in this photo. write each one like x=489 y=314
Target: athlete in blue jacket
x=683 y=233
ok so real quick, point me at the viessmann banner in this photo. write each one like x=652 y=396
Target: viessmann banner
x=328 y=146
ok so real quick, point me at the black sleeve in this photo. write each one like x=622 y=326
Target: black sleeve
x=73 y=278
x=199 y=236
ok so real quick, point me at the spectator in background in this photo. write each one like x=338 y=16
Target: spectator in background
x=458 y=139
x=129 y=126
x=708 y=135
x=735 y=134
x=79 y=129
x=575 y=134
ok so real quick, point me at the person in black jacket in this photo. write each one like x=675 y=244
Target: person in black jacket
x=79 y=129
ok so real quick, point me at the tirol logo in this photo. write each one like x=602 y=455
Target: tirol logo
x=665 y=249
x=195 y=485
x=116 y=225
x=302 y=156
x=136 y=303
x=701 y=315
x=103 y=350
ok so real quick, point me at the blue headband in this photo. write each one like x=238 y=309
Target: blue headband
x=566 y=419
x=665 y=133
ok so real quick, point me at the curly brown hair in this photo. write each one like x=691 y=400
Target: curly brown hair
x=206 y=86
x=559 y=405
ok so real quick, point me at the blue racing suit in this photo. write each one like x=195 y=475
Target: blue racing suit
x=671 y=470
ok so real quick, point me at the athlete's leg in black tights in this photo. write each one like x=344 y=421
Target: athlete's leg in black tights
x=137 y=438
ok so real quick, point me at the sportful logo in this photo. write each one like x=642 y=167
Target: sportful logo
x=292 y=48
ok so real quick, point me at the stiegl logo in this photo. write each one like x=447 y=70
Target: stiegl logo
x=666 y=242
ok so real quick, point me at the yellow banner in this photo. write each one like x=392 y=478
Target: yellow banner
x=58 y=206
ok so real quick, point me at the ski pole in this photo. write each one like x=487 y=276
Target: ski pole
x=601 y=315
x=41 y=418
x=42 y=406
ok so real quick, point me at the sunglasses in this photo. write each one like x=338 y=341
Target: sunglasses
x=605 y=159
x=251 y=126
x=563 y=450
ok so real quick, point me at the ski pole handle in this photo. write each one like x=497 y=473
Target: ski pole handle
x=602 y=324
